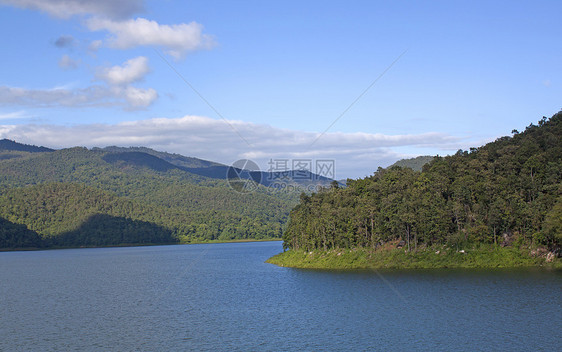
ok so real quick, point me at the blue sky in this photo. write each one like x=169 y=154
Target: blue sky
x=279 y=74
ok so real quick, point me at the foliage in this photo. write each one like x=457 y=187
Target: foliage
x=17 y=236
x=55 y=193
x=415 y=164
x=75 y=215
x=552 y=225
x=507 y=188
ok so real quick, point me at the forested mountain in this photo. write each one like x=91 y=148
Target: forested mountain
x=507 y=190
x=9 y=145
x=175 y=159
x=61 y=195
x=66 y=214
x=215 y=170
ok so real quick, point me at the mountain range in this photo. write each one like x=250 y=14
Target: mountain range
x=114 y=195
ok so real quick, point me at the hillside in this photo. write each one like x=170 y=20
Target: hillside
x=13 y=150
x=175 y=159
x=506 y=193
x=65 y=214
x=213 y=170
x=18 y=236
x=189 y=207
x=9 y=145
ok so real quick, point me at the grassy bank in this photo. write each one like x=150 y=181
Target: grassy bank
x=481 y=257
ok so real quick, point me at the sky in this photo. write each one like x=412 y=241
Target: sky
x=363 y=83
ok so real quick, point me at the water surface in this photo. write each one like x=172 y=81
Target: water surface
x=223 y=297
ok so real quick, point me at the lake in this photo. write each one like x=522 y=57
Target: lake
x=223 y=297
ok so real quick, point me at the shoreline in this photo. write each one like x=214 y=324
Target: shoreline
x=484 y=257
x=33 y=249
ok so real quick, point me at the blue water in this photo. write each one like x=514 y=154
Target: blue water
x=223 y=297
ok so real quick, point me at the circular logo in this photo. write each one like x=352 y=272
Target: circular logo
x=244 y=176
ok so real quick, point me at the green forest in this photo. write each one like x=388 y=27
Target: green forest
x=503 y=193
x=80 y=197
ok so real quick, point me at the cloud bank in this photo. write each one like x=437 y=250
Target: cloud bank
x=356 y=154
x=129 y=98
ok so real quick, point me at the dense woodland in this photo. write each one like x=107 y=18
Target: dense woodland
x=507 y=190
x=81 y=197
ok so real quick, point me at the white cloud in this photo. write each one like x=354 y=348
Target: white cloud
x=121 y=76
x=132 y=70
x=14 y=115
x=139 y=98
x=93 y=96
x=66 y=63
x=356 y=154
x=176 y=39
x=69 y=8
x=118 y=93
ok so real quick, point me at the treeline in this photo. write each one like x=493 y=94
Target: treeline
x=64 y=214
x=511 y=186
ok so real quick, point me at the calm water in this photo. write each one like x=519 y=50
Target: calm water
x=223 y=297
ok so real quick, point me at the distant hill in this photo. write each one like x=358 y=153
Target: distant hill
x=103 y=196
x=415 y=164
x=193 y=207
x=209 y=169
x=9 y=145
x=138 y=159
x=175 y=159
